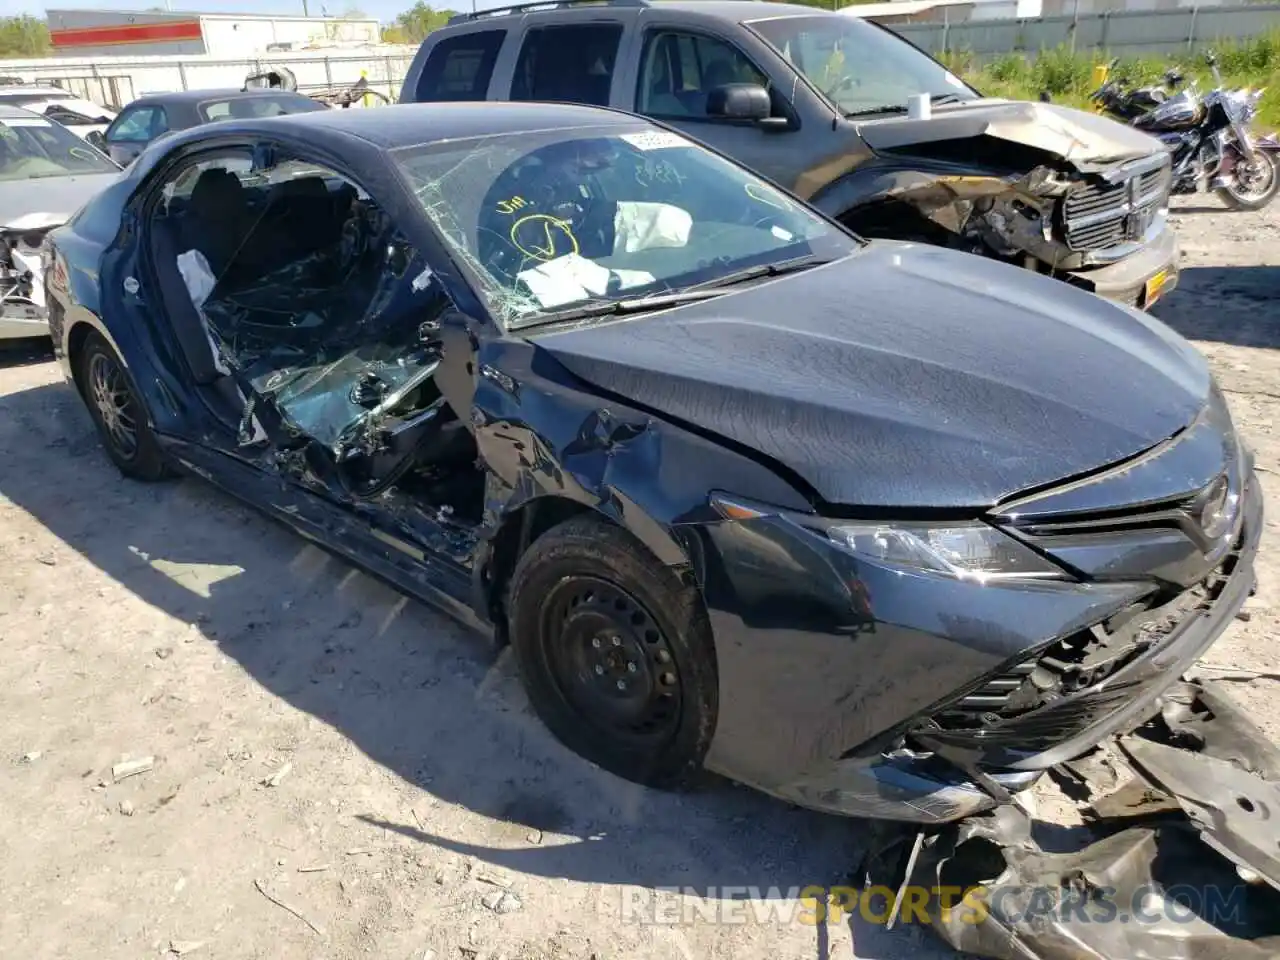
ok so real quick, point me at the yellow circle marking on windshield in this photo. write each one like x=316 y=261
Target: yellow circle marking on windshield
x=758 y=193
x=543 y=237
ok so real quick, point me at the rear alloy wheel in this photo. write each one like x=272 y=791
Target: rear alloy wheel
x=118 y=413
x=615 y=652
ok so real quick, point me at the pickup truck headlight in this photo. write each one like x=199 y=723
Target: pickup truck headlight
x=974 y=551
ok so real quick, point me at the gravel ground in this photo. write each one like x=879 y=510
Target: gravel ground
x=338 y=772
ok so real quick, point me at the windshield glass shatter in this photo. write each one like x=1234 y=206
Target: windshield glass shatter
x=556 y=220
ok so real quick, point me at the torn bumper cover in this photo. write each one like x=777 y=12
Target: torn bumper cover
x=23 y=310
x=962 y=759
x=1178 y=858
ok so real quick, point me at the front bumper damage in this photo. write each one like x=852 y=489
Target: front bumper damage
x=1072 y=195
x=1177 y=857
x=23 y=308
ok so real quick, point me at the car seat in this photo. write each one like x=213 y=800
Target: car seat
x=217 y=218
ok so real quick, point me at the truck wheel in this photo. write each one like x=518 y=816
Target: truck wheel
x=615 y=653
x=118 y=412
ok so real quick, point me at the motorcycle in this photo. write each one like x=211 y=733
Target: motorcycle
x=1207 y=135
x=1128 y=104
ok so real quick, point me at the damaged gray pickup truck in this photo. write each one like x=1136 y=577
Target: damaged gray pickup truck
x=817 y=102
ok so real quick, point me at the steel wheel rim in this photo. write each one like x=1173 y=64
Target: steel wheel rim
x=610 y=661
x=114 y=402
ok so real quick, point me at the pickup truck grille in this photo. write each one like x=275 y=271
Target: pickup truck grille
x=1099 y=215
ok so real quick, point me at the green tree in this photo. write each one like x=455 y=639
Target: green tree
x=24 y=36
x=414 y=24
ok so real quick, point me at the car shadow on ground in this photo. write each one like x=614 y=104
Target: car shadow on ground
x=1209 y=301
x=413 y=691
x=25 y=352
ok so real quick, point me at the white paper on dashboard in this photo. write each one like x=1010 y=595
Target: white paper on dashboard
x=565 y=279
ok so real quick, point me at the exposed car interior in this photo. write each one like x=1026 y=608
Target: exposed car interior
x=292 y=286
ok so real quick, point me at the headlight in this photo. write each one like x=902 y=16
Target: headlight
x=974 y=551
x=969 y=550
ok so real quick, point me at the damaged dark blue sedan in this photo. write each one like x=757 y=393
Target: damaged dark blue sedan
x=882 y=529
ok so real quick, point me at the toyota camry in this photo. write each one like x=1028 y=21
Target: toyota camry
x=882 y=529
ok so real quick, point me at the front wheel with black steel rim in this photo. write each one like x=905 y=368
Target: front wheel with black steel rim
x=615 y=652
x=118 y=412
x=1253 y=183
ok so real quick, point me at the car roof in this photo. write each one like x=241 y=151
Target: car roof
x=200 y=96
x=37 y=91
x=411 y=124
x=738 y=11
x=10 y=111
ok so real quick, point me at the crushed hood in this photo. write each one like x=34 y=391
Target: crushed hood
x=1087 y=140
x=55 y=198
x=906 y=376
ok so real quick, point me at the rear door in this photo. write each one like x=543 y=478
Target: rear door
x=570 y=62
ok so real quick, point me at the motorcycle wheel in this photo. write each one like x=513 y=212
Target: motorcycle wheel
x=1254 y=185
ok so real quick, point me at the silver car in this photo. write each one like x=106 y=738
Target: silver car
x=46 y=174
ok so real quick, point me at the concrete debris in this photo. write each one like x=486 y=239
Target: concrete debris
x=31 y=756
x=502 y=901
x=131 y=768
x=163 y=653
x=48 y=559
x=318 y=868
x=534 y=837
x=275 y=779
x=494 y=878
x=359 y=852
x=126 y=808
x=183 y=947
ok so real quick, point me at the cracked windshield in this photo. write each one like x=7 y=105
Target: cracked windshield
x=862 y=68
x=593 y=217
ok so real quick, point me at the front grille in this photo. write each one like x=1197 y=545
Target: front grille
x=1044 y=700
x=1099 y=215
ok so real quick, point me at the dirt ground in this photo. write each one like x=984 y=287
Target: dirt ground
x=338 y=772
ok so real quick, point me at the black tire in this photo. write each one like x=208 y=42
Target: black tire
x=118 y=412
x=615 y=653
x=1259 y=199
